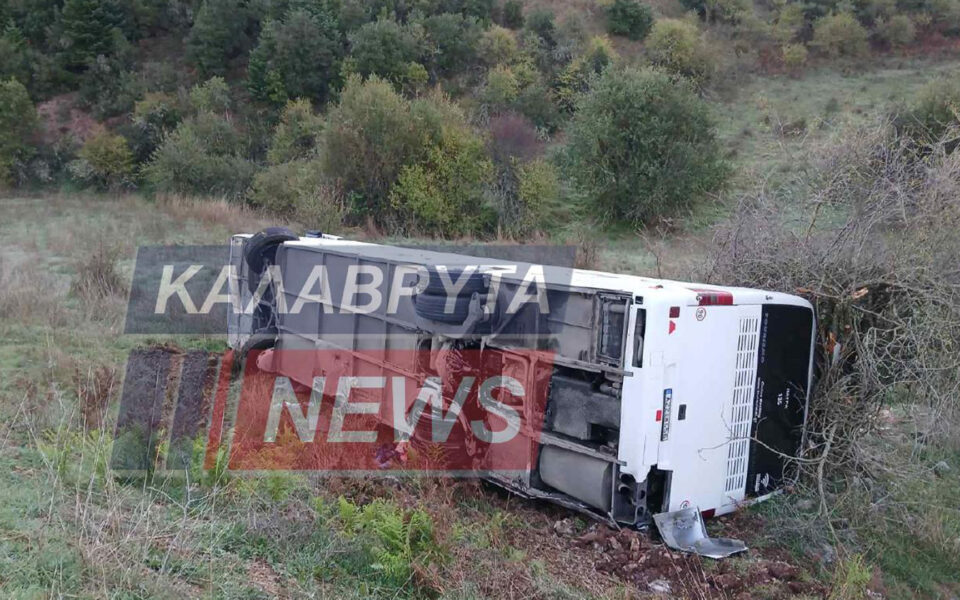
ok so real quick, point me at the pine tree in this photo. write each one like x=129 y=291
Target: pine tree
x=297 y=57
x=89 y=28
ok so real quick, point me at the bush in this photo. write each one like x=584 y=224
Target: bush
x=299 y=190
x=222 y=31
x=501 y=89
x=296 y=135
x=498 y=46
x=541 y=22
x=897 y=31
x=840 y=35
x=513 y=14
x=17 y=121
x=453 y=40
x=794 y=56
x=212 y=95
x=202 y=156
x=642 y=145
x=790 y=21
x=384 y=48
x=937 y=110
x=110 y=160
x=373 y=137
x=443 y=194
x=575 y=79
x=629 y=18
x=676 y=47
x=153 y=117
x=397 y=543
x=537 y=199
x=296 y=57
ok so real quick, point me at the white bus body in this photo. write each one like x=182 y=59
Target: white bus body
x=664 y=395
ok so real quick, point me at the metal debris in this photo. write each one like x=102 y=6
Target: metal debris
x=684 y=530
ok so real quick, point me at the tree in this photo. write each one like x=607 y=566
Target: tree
x=296 y=57
x=643 y=145
x=110 y=160
x=840 y=35
x=409 y=165
x=629 y=18
x=201 y=156
x=90 y=28
x=676 y=47
x=17 y=121
x=453 y=40
x=222 y=31
x=513 y=14
x=296 y=135
x=384 y=48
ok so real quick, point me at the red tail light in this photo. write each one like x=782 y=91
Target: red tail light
x=714 y=298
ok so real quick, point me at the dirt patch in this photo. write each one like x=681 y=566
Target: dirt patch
x=61 y=119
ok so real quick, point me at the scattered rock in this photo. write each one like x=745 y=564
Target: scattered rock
x=659 y=586
x=563 y=527
x=941 y=468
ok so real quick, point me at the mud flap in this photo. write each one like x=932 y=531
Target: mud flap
x=684 y=530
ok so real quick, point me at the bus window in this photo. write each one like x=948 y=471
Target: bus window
x=638 y=332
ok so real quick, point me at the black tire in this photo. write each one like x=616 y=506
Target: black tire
x=475 y=282
x=433 y=307
x=261 y=248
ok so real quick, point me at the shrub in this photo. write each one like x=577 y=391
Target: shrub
x=840 y=35
x=538 y=192
x=897 y=31
x=443 y=194
x=212 y=95
x=642 y=145
x=201 y=156
x=222 y=31
x=367 y=138
x=937 y=109
x=498 y=46
x=296 y=135
x=110 y=160
x=453 y=39
x=299 y=190
x=790 y=20
x=541 y=22
x=501 y=88
x=576 y=77
x=153 y=117
x=297 y=56
x=384 y=48
x=629 y=18
x=373 y=138
x=398 y=543
x=17 y=121
x=794 y=56
x=513 y=14
x=676 y=47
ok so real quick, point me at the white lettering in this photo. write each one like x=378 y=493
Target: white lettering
x=170 y=286
x=343 y=406
x=304 y=423
x=494 y=406
x=352 y=287
x=317 y=275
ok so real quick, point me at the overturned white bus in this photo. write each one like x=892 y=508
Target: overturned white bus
x=660 y=395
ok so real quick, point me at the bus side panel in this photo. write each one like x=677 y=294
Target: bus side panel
x=783 y=379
